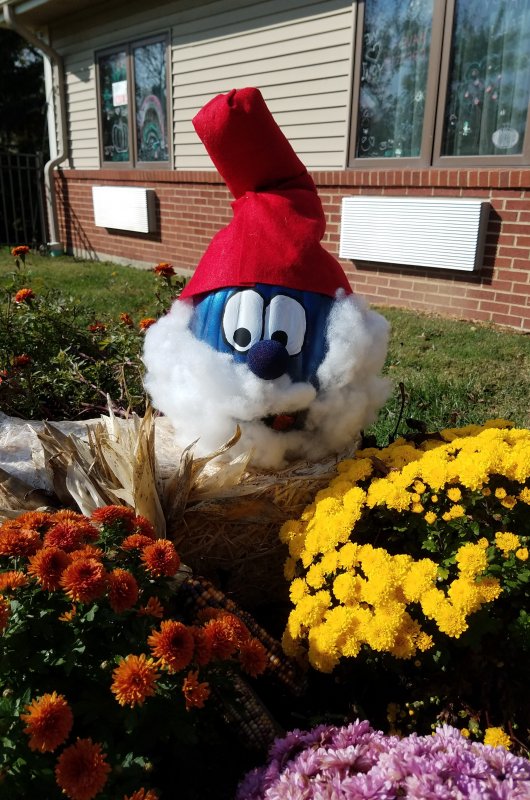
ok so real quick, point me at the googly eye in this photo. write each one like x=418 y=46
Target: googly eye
x=285 y=322
x=243 y=320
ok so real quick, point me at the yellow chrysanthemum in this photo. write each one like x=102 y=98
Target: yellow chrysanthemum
x=524 y=495
x=496 y=737
x=471 y=559
x=347 y=587
x=297 y=590
x=454 y=512
x=420 y=578
x=522 y=554
x=506 y=541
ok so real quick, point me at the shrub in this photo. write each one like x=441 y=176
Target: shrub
x=105 y=675
x=359 y=762
x=58 y=362
x=417 y=555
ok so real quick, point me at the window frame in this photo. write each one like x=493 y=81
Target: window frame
x=436 y=97
x=128 y=46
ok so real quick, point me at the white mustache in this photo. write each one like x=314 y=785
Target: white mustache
x=206 y=394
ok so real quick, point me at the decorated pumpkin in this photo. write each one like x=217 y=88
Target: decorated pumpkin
x=267 y=334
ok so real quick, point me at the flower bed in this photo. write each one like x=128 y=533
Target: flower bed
x=358 y=762
x=417 y=554
x=105 y=668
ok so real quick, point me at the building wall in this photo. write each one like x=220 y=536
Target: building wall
x=194 y=205
x=298 y=53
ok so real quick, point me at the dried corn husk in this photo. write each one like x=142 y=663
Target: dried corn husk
x=223 y=517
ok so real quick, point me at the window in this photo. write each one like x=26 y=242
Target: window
x=133 y=107
x=442 y=82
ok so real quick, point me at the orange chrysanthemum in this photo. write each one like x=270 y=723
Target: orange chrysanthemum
x=143 y=794
x=5 y=610
x=161 y=558
x=20 y=250
x=153 y=608
x=84 y=580
x=70 y=534
x=39 y=521
x=97 y=327
x=111 y=515
x=19 y=542
x=12 y=579
x=24 y=295
x=253 y=657
x=236 y=629
x=88 y=551
x=146 y=323
x=68 y=514
x=203 y=647
x=69 y=615
x=126 y=319
x=22 y=360
x=123 y=590
x=164 y=270
x=134 y=679
x=195 y=693
x=220 y=638
x=82 y=770
x=48 y=565
x=136 y=541
x=172 y=645
x=144 y=527
x=48 y=721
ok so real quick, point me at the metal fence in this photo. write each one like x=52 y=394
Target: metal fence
x=22 y=215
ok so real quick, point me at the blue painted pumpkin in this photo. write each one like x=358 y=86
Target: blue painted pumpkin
x=274 y=330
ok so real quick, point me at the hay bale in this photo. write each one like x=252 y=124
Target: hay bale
x=233 y=539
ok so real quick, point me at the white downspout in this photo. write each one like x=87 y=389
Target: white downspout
x=55 y=247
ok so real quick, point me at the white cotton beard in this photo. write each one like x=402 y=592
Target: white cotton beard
x=206 y=394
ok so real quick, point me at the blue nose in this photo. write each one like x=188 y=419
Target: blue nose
x=268 y=359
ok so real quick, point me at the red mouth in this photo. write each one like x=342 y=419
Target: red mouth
x=286 y=422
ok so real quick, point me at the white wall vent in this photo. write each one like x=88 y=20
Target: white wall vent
x=124 y=208
x=440 y=232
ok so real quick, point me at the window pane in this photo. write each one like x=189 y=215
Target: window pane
x=151 y=102
x=395 y=62
x=489 y=79
x=114 y=106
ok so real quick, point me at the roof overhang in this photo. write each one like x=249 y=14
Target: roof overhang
x=38 y=13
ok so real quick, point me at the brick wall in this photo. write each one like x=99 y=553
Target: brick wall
x=192 y=206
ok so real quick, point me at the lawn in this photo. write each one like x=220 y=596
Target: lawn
x=107 y=289
x=453 y=372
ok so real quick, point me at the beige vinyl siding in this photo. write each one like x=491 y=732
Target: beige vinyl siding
x=298 y=53
x=82 y=110
x=299 y=59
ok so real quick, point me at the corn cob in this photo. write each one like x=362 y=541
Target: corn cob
x=198 y=593
x=244 y=712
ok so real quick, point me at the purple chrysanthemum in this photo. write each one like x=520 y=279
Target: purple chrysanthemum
x=330 y=763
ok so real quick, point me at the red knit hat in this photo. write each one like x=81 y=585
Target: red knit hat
x=274 y=236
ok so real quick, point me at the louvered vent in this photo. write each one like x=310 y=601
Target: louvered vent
x=439 y=232
x=124 y=208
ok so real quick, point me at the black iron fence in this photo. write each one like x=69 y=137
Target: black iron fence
x=22 y=215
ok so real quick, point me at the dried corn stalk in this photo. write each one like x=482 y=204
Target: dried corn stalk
x=116 y=466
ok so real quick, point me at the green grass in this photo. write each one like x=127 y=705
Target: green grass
x=453 y=372
x=108 y=289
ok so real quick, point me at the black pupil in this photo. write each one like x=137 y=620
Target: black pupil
x=281 y=337
x=242 y=337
